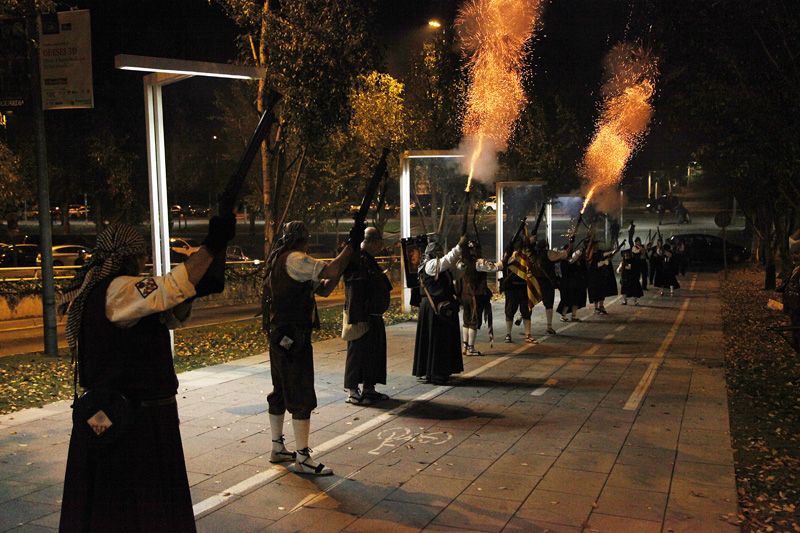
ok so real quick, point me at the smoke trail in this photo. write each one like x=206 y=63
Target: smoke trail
x=493 y=35
x=625 y=114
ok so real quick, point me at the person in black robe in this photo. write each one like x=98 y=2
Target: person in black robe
x=601 y=280
x=667 y=271
x=629 y=270
x=543 y=265
x=573 y=287
x=654 y=254
x=640 y=255
x=367 y=297
x=437 y=348
x=125 y=468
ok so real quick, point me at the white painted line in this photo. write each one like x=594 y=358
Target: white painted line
x=592 y=350
x=262 y=478
x=694 y=282
x=650 y=374
x=608 y=337
x=214 y=502
x=620 y=328
x=544 y=388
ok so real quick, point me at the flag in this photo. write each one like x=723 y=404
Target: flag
x=521 y=266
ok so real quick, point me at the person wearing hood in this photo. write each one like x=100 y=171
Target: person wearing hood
x=543 y=265
x=629 y=271
x=437 y=348
x=126 y=468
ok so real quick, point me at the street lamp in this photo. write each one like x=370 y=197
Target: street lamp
x=433 y=23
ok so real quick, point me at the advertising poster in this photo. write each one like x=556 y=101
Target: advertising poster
x=66 y=60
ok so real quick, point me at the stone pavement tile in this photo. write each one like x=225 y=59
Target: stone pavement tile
x=653 y=436
x=272 y=501
x=18 y=512
x=483 y=514
x=429 y=490
x=601 y=523
x=693 y=453
x=351 y=496
x=557 y=507
x=394 y=516
x=51 y=521
x=312 y=519
x=586 y=460
x=706 y=474
x=12 y=489
x=532 y=525
x=632 y=503
x=458 y=467
x=610 y=441
x=52 y=494
x=390 y=475
x=479 y=448
x=695 y=525
x=196 y=477
x=503 y=485
x=654 y=476
x=435 y=528
x=217 y=461
x=200 y=444
x=702 y=500
x=541 y=444
x=315 y=484
x=227 y=478
x=573 y=482
x=638 y=455
x=223 y=520
x=45 y=472
x=703 y=437
x=523 y=463
x=199 y=495
x=502 y=431
x=33 y=528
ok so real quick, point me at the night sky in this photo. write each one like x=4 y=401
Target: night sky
x=566 y=58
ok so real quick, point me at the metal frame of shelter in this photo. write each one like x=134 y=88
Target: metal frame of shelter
x=164 y=71
x=405 y=203
x=500 y=188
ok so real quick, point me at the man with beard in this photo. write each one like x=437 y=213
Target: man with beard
x=367 y=296
x=437 y=349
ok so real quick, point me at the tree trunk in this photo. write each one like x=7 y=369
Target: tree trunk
x=269 y=230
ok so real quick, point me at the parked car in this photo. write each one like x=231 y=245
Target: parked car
x=26 y=255
x=666 y=202
x=489 y=205
x=235 y=253
x=68 y=255
x=702 y=248
x=182 y=247
x=78 y=210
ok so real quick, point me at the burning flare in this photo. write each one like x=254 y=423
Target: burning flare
x=493 y=35
x=625 y=115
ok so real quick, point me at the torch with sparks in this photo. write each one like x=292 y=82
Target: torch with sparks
x=625 y=114
x=493 y=35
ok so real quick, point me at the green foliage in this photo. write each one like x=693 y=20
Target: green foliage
x=436 y=90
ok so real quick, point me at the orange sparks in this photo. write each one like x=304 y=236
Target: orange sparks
x=588 y=199
x=494 y=34
x=624 y=118
x=476 y=154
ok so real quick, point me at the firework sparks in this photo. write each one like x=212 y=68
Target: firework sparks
x=625 y=115
x=493 y=35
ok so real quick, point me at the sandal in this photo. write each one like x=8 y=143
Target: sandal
x=283 y=455
x=374 y=395
x=358 y=399
x=306 y=467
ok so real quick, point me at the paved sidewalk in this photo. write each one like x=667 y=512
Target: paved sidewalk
x=618 y=423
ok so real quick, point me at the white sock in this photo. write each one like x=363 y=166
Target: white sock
x=465 y=334
x=276 y=429
x=301 y=431
x=527 y=324
x=549 y=313
x=509 y=323
x=471 y=334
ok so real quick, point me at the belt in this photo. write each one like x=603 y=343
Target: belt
x=169 y=400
